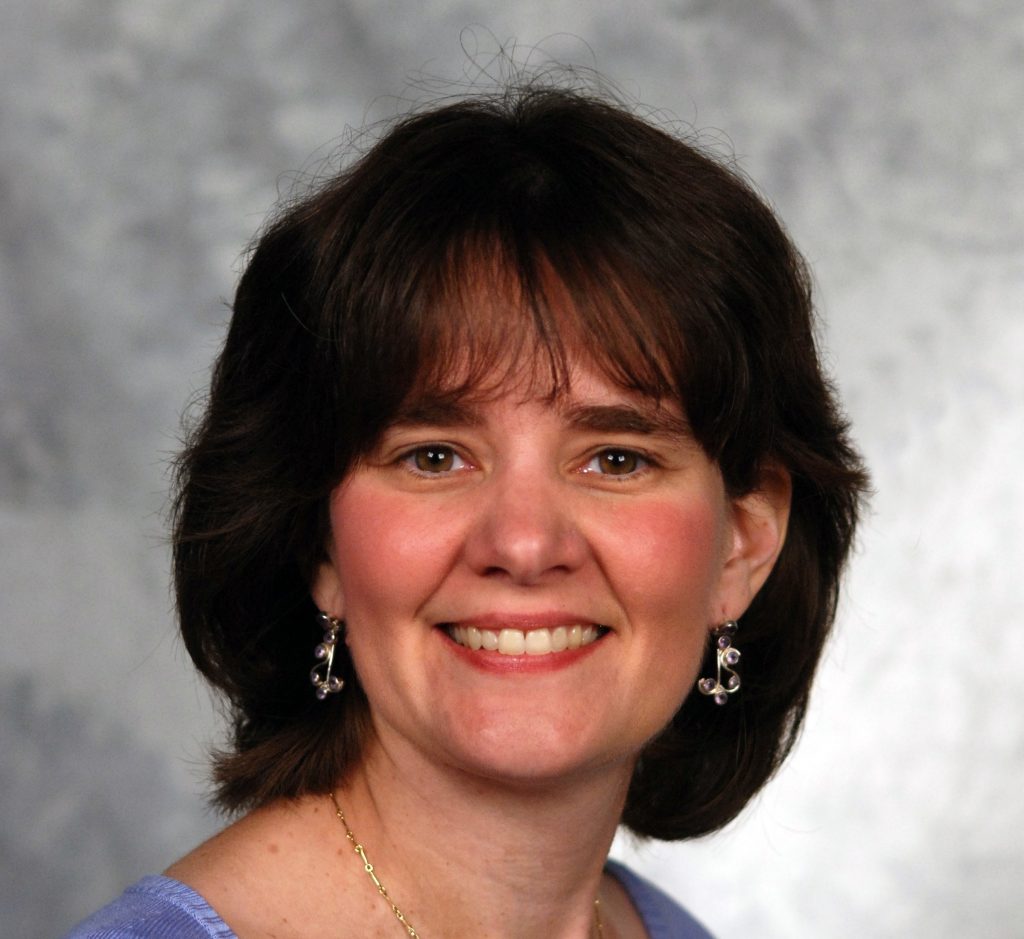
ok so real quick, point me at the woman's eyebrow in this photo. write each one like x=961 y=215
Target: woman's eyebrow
x=627 y=418
x=602 y=418
x=437 y=411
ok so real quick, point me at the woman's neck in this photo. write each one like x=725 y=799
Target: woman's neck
x=466 y=856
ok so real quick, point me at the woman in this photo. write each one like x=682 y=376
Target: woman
x=519 y=440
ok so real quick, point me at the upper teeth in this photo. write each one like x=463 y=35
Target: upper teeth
x=518 y=642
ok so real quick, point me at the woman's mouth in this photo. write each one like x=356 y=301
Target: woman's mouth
x=538 y=641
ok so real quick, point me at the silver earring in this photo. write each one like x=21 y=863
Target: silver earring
x=725 y=658
x=324 y=682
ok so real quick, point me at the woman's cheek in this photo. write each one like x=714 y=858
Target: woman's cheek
x=673 y=553
x=386 y=546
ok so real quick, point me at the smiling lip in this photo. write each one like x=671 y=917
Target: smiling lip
x=525 y=635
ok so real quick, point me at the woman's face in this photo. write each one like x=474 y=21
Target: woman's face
x=590 y=539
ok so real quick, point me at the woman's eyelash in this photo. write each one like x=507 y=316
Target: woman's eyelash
x=618 y=462
x=438 y=459
x=432 y=459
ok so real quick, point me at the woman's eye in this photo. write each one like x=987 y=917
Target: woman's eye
x=614 y=462
x=433 y=459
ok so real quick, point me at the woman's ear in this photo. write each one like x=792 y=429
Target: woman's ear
x=326 y=589
x=759 y=521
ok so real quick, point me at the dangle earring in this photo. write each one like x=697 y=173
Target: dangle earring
x=725 y=658
x=324 y=682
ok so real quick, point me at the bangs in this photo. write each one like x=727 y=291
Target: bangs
x=497 y=318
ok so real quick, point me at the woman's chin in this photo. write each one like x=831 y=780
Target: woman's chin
x=532 y=769
x=529 y=745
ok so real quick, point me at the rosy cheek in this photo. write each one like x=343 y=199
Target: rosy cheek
x=381 y=545
x=672 y=551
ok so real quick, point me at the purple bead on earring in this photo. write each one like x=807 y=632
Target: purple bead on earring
x=725 y=658
x=324 y=682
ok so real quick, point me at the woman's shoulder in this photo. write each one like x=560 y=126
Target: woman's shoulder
x=663 y=918
x=154 y=908
x=160 y=907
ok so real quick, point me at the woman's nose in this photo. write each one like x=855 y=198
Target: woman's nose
x=525 y=531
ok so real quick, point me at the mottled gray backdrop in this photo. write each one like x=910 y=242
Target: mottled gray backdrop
x=141 y=143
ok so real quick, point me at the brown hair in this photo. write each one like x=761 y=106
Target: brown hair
x=681 y=284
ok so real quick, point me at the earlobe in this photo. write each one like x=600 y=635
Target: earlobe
x=758 y=531
x=326 y=590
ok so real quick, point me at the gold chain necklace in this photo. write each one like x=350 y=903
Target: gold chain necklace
x=383 y=891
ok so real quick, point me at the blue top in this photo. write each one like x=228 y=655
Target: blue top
x=162 y=908
x=663 y=917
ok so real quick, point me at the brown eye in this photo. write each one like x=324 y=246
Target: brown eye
x=617 y=462
x=434 y=459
